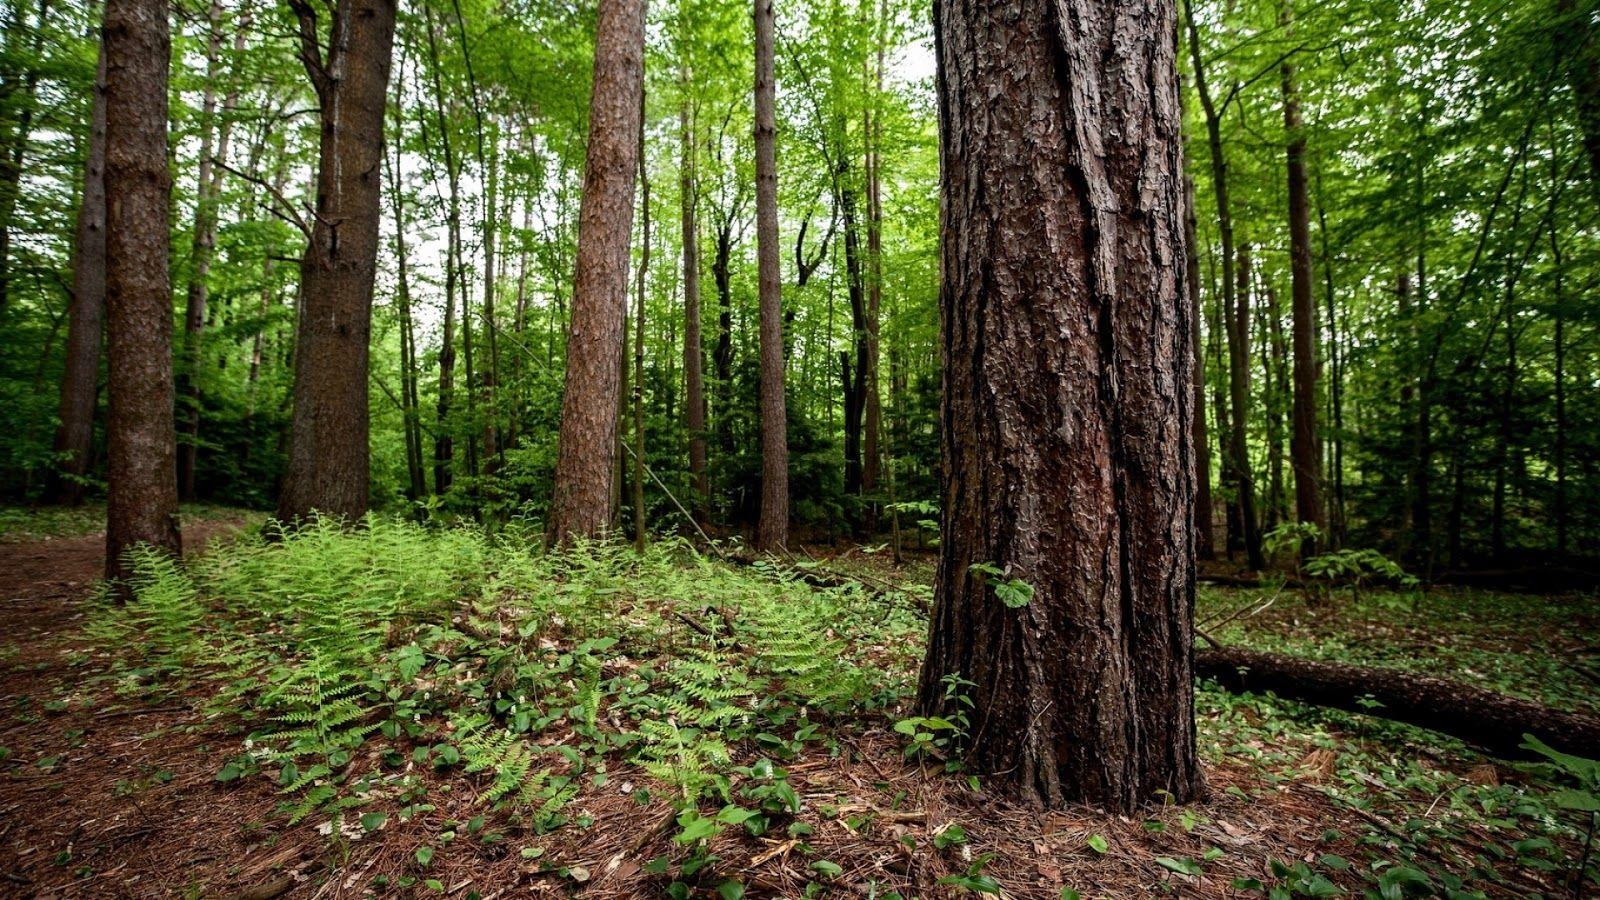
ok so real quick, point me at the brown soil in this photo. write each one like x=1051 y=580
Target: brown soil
x=109 y=790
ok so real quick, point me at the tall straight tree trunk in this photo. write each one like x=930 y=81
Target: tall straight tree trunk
x=1274 y=390
x=872 y=414
x=410 y=402
x=444 y=446
x=639 y=535
x=1560 y=511
x=772 y=531
x=1204 y=547
x=328 y=452
x=586 y=466
x=693 y=355
x=1305 y=445
x=1239 y=400
x=1067 y=416
x=74 y=441
x=722 y=351
x=1336 y=357
x=141 y=436
x=203 y=242
x=855 y=377
x=1246 y=535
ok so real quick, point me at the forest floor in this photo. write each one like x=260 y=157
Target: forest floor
x=117 y=782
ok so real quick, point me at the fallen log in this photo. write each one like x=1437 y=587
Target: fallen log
x=1491 y=721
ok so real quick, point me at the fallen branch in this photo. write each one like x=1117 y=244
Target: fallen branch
x=1491 y=721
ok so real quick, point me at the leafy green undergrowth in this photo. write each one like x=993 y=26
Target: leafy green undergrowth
x=362 y=659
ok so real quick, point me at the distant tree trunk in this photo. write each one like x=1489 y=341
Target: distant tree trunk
x=444 y=444
x=1204 y=547
x=773 y=529
x=855 y=378
x=586 y=466
x=1067 y=415
x=1243 y=532
x=1239 y=400
x=410 y=401
x=269 y=293
x=639 y=535
x=328 y=453
x=141 y=472
x=202 y=245
x=85 y=316
x=693 y=354
x=1560 y=512
x=1336 y=509
x=722 y=351
x=1305 y=445
x=1274 y=391
x=871 y=461
x=14 y=152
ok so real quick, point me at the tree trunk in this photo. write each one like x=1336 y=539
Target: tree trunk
x=693 y=354
x=202 y=245
x=722 y=352
x=1204 y=547
x=854 y=384
x=1305 y=447
x=1494 y=722
x=1244 y=533
x=639 y=535
x=872 y=412
x=328 y=454
x=773 y=529
x=1067 y=415
x=410 y=401
x=141 y=472
x=85 y=316
x=586 y=465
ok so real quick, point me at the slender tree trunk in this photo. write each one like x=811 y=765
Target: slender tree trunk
x=444 y=446
x=722 y=351
x=773 y=529
x=1560 y=511
x=85 y=316
x=855 y=381
x=1305 y=445
x=1239 y=399
x=203 y=242
x=639 y=534
x=693 y=354
x=328 y=455
x=1274 y=391
x=1336 y=510
x=141 y=472
x=1204 y=547
x=586 y=467
x=1244 y=531
x=410 y=402
x=871 y=462
x=1067 y=415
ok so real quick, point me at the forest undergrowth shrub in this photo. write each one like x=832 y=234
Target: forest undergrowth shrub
x=353 y=657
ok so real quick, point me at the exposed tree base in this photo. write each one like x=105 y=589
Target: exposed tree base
x=1491 y=721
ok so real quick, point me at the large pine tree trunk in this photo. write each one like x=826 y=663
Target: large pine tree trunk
x=141 y=472
x=772 y=531
x=328 y=453
x=1067 y=411
x=85 y=315
x=586 y=464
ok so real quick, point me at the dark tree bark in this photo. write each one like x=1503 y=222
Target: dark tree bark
x=328 y=454
x=1067 y=414
x=855 y=377
x=141 y=436
x=1305 y=446
x=1492 y=721
x=1239 y=403
x=693 y=353
x=872 y=412
x=586 y=464
x=772 y=532
x=85 y=316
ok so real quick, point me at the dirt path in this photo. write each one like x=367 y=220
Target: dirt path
x=106 y=789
